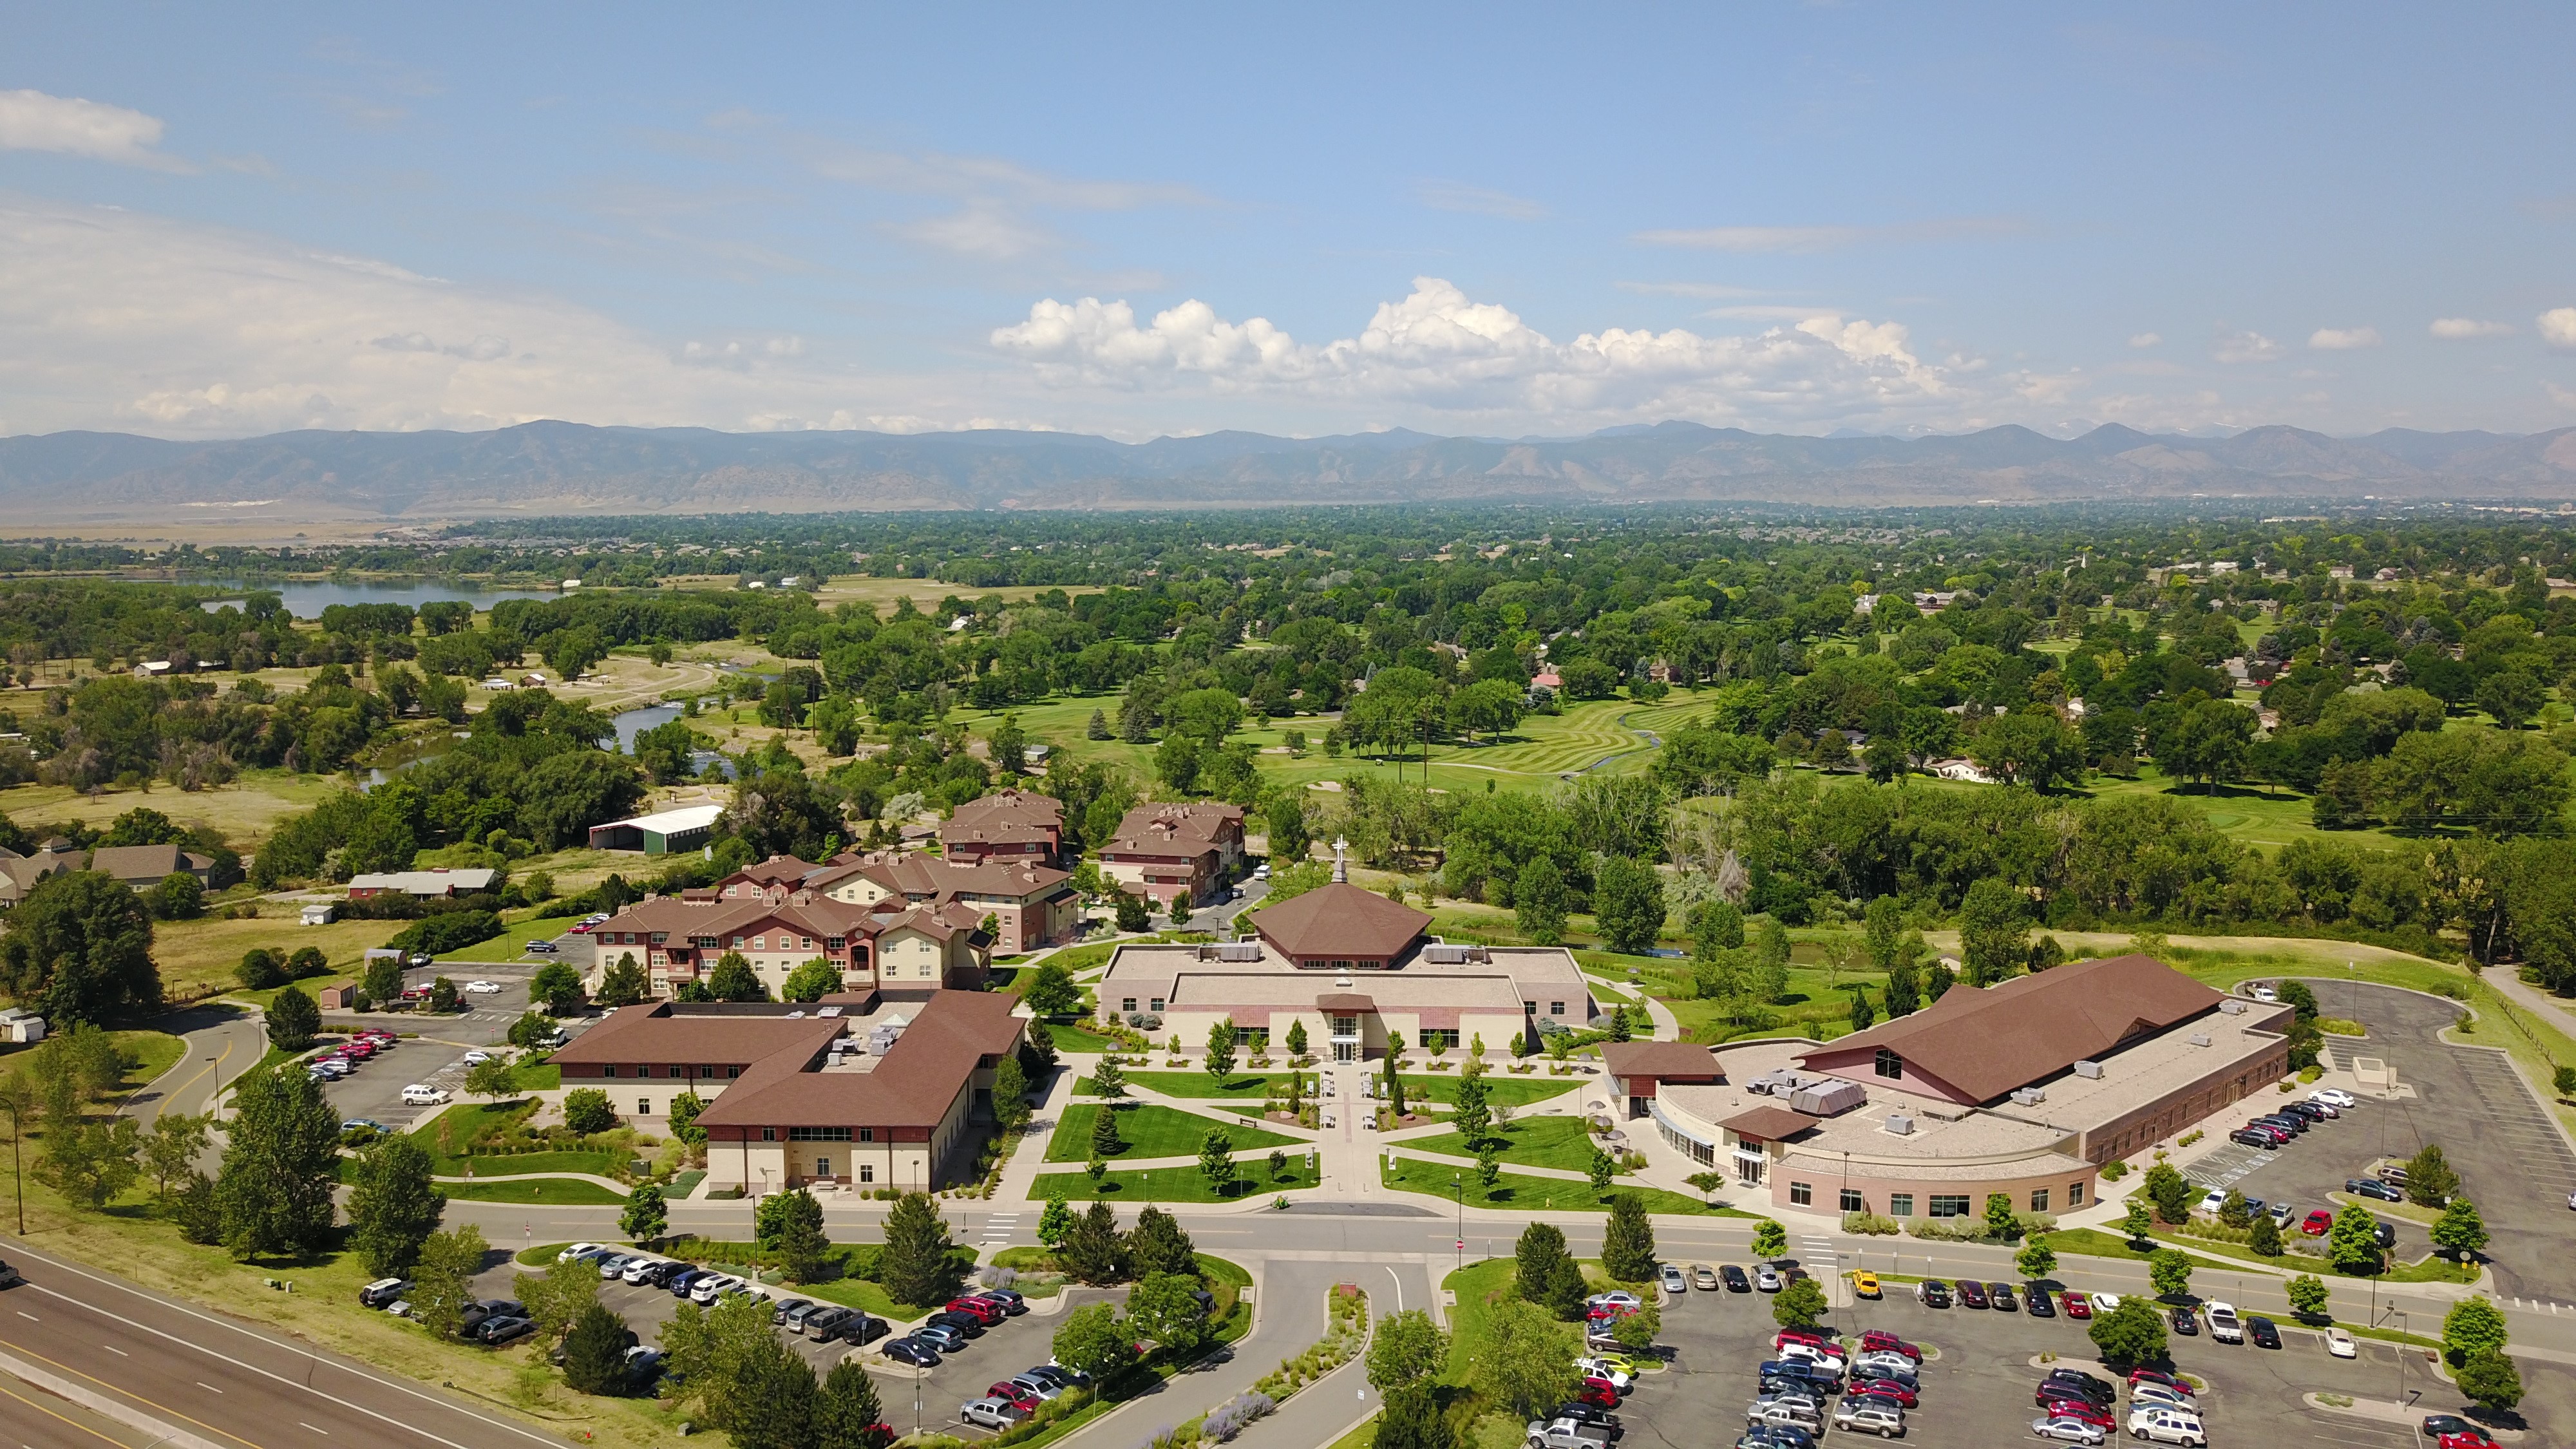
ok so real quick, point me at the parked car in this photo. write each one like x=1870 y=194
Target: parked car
x=2212 y=1200
x=2260 y=1329
x=2248 y=1137
x=2317 y=1223
x=2165 y=1425
x=1011 y=1393
x=1044 y=1390
x=2335 y=1097
x=1012 y=1303
x=2084 y=1409
x=1564 y=1434
x=2223 y=1322
x=1775 y=1436
x=684 y=1283
x=641 y=1269
x=941 y=1337
x=780 y=1309
x=2035 y=1298
x=2104 y=1302
x=482 y=988
x=2078 y=1384
x=1804 y=1412
x=980 y=1310
x=707 y=1289
x=494 y=1332
x=2003 y=1298
x=1972 y=1294
x=2310 y=1112
x=913 y=1351
x=1765 y=1279
x=2392 y=1172
x=1615 y=1298
x=967 y=1325
x=1870 y=1416
x=1932 y=1293
x=2066 y=1430
x=2075 y=1304
x=1895 y=1391
x=2282 y=1213
x=2373 y=1188
x=1704 y=1278
x=1673 y=1279
x=861 y=1329
x=2295 y=1126
x=992 y=1413
x=2444 y=1427
x=1879 y=1340
x=2339 y=1343
x=1886 y=1366
x=2158 y=1378
x=585 y=1252
x=383 y=1291
x=1737 y=1282
x=2186 y=1322
x=422 y=1095
x=615 y=1265
x=540 y=948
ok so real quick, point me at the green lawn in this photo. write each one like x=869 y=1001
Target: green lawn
x=509 y=947
x=1151 y=1130
x=1173 y=1184
x=1070 y=1038
x=1501 y=1087
x=447 y=1135
x=1531 y=1142
x=1196 y=1084
x=1519 y=1193
x=153 y=1052
x=1478 y=1288
x=571 y=1191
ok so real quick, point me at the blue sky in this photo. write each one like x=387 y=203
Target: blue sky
x=1141 y=220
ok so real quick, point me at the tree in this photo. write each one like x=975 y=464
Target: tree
x=595 y=1352
x=2169 y=1269
x=811 y=981
x=179 y=897
x=625 y=984
x=494 y=1078
x=2232 y=1210
x=558 y=1297
x=2129 y=1335
x=1055 y=1221
x=2460 y=1232
x=1636 y=1331
x=1108 y=1080
x=1165 y=1309
x=1010 y=1095
x=260 y=969
x=1091 y=1341
x=1993 y=940
x=1092 y=1250
x=2170 y=1191
x=1524 y=1366
x=1296 y=1039
x=1394 y=1078
x=1104 y=1131
x=1770 y=1239
x=2265 y=1236
x=774 y=1393
x=1220 y=1051
x=2000 y=1222
x=90 y=1163
x=710 y=1348
x=2513 y=696
x=557 y=988
x=171 y=1148
x=443 y=1278
x=683 y=1118
x=1627 y=904
x=647 y=1217
x=1540 y=1248
x=1862 y=1013
x=734 y=980
x=1800 y=1304
x=1489 y=1166
x=381 y=982
x=2473 y=1326
x=1411 y=1419
x=1472 y=1113
x=1538 y=901
x=394 y=1205
x=914 y=1266
x=2491 y=1380
x=2353 y=1244
x=2036 y=1259
x=1601 y=1169
x=2430 y=1182
x=1134 y=914
x=847 y=1413
x=1051 y=990
x=79 y=949
x=1216 y=1161
x=281 y=1162
x=2308 y=1296
x=1408 y=1348
x=1628 y=1243
x=803 y=1250
x=1158 y=1244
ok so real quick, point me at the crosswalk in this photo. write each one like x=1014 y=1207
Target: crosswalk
x=999 y=1228
x=1818 y=1248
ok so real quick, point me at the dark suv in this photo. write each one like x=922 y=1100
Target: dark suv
x=2076 y=1384
x=2254 y=1137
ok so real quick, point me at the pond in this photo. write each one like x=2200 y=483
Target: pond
x=634 y=722
x=307 y=598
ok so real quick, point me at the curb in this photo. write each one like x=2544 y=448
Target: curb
x=101 y=1404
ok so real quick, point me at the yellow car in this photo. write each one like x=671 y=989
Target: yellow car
x=1619 y=1361
x=1865 y=1284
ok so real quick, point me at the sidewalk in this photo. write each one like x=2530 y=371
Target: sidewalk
x=2550 y=1009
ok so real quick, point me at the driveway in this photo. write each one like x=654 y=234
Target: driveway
x=436 y=1055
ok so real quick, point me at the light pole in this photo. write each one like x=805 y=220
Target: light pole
x=1459 y=1179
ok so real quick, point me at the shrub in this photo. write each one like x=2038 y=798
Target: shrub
x=2114 y=1170
x=1871 y=1224
x=586 y=1111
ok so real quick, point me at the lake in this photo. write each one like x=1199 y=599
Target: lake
x=307 y=598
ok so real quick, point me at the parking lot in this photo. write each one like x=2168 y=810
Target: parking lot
x=1978 y=1375
x=436 y=1054
x=2511 y=1159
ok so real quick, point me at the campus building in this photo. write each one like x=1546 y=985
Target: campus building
x=869 y=1089
x=2025 y=1088
x=1173 y=851
x=1009 y=826
x=1360 y=971
x=660 y=833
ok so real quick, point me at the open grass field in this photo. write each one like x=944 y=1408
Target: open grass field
x=1137 y=1186
x=198 y=958
x=1559 y=1142
x=880 y=594
x=1152 y=1130
x=1518 y=1192
x=558 y=1191
x=242 y=812
x=152 y=1052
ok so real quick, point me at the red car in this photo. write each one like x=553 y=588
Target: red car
x=1014 y=1394
x=984 y=1309
x=2084 y=1409
x=1879 y=1340
x=2467 y=1439
x=2317 y=1223
x=1888 y=1389
x=1598 y=1393
x=2155 y=1376
x=2076 y=1305
x=1788 y=1336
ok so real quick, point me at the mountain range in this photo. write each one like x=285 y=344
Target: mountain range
x=570 y=468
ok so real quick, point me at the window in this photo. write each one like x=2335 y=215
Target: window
x=1900 y=1204
x=643 y=1106
x=1157 y=1006
x=867 y=1172
x=822 y=1167
x=2039 y=1199
x=768 y=1134
x=1127 y=1003
x=834 y=943
x=731 y=1072
x=1433 y=1036
x=608 y=1071
x=706 y=1071
x=1949 y=1205
x=818 y=1134
x=1556 y=1008
x=1801 y=1194
x=2075 y=1194
x=867 y=1134
x=761 y=943
x=1890 y=1065
x=1853 y=1202
x=737 y=943
x=671 y=1071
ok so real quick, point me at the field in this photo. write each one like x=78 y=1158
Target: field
x=1173 y=1184
x=1559 y=1142
x=242 y=812
x=1516 y=1192
x=198 y=957
x=1151 y=1130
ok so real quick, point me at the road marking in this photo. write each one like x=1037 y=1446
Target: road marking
x=50 y=1414
x=325 y=1433
x=31 y=1318
x=112 y=1348
x=209 y=1388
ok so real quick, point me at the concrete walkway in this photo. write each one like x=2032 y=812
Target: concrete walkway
x=2551 y=1009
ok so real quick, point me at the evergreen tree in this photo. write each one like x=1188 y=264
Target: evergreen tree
x=1108 y=1080
x=2490 y=1380
x=1010 y=1095
x=2430 y=1182
x=1104 y=1131
x=914 y=1265
x=1394 y=1092
x=1092 y=1250
x=773 y=1399
x=1473 y=1118
x=1296 y=1038
x=2265 y=1236
x=1904 y=991
x=293 y=1020
x=847 y=1414
x=1158 y=1244
x=1993 y=941
x=394 y=1206
x=1052 y=991
x=625 y=983
x=1540 y=1249
x=1882 y=926
x=1862 y=1014
x=1628 y=1243
x=1220 y=1050
x=1216 y=1161
x=803 y=1249
x=1055 y=1221
x=1618 y=1023
x=1939 y=982
x=2460 y=1232
x=1411 y=1419
x=281 y=1163
x=594 y=1352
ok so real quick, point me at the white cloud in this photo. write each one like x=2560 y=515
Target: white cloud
x=1438 y=349
x=1477 y=201
x=2558 y=326
x=982 y=229
x=2245 y=347
x=2464 y=329
x=2343 y=339
x=1798 y=239
x=2146 y=339
x=35 y=121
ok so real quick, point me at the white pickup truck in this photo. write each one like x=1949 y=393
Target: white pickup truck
x=2224 y=1325
x=1567 y=1434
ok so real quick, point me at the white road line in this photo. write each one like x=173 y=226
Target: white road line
x=209 y=1388
x=112 y=1348
x=325 y=1433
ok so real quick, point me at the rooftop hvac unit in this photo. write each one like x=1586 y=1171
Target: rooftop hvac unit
x=2090 y=1071
x=1445 y=955
x=2200 y=1040
x=2232 y=1006
x=2030 y=1096
x=1900 y=1124
x=1239 y=951
x=1827 y=1097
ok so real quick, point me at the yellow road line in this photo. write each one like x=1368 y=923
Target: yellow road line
x=50 y=1414
x=125 y=1392
x=217 y=1065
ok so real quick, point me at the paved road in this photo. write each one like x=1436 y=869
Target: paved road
x=223 y=1042
x=221 y=1380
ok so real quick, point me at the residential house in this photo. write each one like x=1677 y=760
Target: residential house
x=145 y=866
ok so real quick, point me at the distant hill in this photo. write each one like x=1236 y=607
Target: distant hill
x=556 y=468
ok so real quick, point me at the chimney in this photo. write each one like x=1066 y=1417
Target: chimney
x=1341 y=866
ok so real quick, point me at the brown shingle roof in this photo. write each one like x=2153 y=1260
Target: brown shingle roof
x=1344 y=1003
x=144 y=862
x=1339 y=919
x=913 y=1086
x=1022 y=809
x=655 y=1032
x=1770 y=1124
x=1986 y=1043
x=1658 y=1059
x=1175 y=829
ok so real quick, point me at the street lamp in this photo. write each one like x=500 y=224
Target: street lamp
x=1459 y=1180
